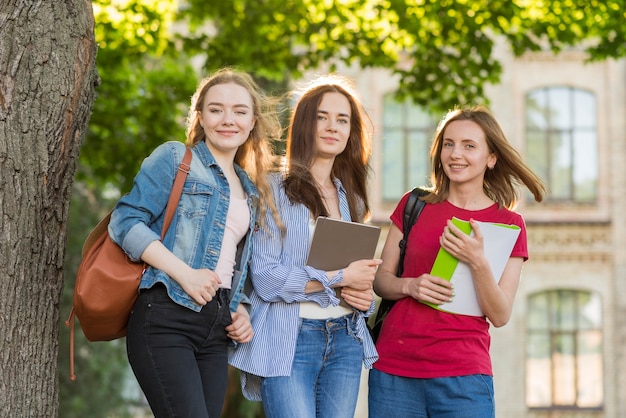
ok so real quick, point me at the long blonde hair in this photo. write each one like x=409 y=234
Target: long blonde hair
x=255 y=155
x=500 y=183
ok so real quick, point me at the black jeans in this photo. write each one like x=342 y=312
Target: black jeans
x=180 y=357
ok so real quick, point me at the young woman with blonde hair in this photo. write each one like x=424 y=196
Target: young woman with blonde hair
x=191 y=303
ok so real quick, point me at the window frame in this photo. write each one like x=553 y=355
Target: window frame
x=569 y=135
x=556 y=297
x=406 y=132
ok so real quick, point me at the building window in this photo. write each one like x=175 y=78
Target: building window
x=564 y=350
x=562 y=144
x=407 y=132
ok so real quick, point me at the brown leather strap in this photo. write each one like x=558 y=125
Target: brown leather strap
x=177 y=190
x=70 y=324
x=172 y=203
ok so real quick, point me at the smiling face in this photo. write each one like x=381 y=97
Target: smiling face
x=465 y=154
x=333 y=125
x=227 y=117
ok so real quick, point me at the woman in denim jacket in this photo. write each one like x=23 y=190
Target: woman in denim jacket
x=190 y=304
x=310 y=345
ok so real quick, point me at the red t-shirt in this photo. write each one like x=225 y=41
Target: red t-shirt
x=422 y=342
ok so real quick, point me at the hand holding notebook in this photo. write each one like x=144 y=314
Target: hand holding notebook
x=498 y=242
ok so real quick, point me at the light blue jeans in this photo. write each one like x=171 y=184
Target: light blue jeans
x=326 y=373
x=447 y=397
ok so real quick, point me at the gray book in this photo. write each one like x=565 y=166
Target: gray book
x=337 y=243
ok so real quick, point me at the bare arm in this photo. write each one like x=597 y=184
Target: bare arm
x=425 y=288
x=359 y=275
x=356 y=286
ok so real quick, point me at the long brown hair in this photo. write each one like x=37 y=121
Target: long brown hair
x=500 y=183
x=255 y=155
x=351 y=167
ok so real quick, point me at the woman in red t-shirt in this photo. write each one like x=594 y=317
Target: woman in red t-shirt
x=435 y=363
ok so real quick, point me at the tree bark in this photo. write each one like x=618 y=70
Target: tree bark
x=47 y=89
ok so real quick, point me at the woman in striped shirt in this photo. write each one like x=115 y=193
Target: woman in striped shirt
x=311 y=340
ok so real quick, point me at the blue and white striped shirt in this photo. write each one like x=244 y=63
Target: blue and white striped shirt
x=279 y=276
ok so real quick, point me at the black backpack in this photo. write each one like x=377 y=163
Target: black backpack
x=412 y=211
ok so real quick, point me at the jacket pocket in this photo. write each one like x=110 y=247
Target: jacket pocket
x=196 y=198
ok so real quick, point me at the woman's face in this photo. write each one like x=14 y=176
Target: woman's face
x=333 y=125
x=227 y=117
x=465 y=154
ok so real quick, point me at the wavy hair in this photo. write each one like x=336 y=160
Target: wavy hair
x=255 y=155
x=501 y=184
x=351 y=167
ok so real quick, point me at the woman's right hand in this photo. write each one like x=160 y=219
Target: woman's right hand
x=427 y=288
x=358 y=299
x=200 y=284
x=360 y=274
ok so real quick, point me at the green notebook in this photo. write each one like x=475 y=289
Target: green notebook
x=499 y=240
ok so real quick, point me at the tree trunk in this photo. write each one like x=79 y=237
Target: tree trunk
x=47 y=89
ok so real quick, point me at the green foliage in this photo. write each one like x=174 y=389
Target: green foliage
x=235 y=405
x=442 y=50
x=144 y=93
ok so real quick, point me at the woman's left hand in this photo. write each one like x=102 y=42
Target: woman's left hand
x=240 y=329
x=466 y=248
x=358 y=299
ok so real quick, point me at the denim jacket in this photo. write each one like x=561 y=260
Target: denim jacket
x=196 y=232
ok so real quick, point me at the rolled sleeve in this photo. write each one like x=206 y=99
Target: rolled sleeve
x=137 y=240
x=328 y=296
x=136 y=220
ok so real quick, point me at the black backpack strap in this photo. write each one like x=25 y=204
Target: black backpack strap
x=412 y=211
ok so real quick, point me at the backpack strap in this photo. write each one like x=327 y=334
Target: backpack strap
x=412 y=210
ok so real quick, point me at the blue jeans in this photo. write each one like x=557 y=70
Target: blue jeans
x=179 y=356
x=326 y=373
x=446 y=397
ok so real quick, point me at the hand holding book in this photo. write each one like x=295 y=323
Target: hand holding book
x=498 y=242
